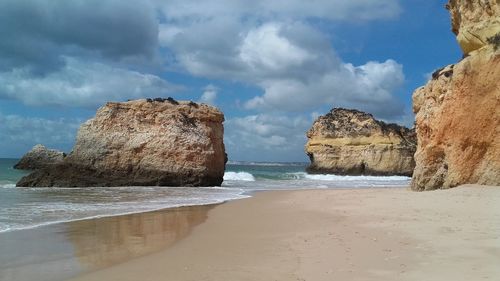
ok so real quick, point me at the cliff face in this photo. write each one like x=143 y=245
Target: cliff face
x=143 y=142
x=38 y=157
x=474 y=21
x=458 y=111
x=353 y=142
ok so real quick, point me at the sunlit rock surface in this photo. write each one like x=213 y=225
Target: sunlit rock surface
x=354 y=143
x=143 y=142
x=458 y=110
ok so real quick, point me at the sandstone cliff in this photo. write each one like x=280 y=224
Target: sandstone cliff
x=474 y=22
x=458 y=111
x=38 y=157
x=143 y=142
x=353 y=142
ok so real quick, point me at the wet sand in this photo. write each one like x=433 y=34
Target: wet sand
x=61 y=251
x=370 y=234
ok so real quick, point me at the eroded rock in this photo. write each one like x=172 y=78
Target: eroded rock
x=458 y=111
x=39 y=157
x=458 y=125
x=353 y=142
x=143 y=142
x=474 y=22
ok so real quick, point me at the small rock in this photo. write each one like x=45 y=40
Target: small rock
x=39 y=157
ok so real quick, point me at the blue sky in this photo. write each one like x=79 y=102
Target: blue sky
x=270 y=66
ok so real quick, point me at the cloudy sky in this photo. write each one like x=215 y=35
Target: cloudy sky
x=271 y=66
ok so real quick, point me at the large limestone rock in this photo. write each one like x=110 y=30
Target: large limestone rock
x=143 y=142
x=39 y=157
x=353 y=142
x=474 y=22
x=458 y=124
x=458 y=112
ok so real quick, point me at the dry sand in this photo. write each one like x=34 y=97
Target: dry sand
x=370 y=234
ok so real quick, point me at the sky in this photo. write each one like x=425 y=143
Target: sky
x=272 y=66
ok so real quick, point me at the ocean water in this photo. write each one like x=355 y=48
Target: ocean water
x=285 y=176
x=22 y=208
x=8 y=175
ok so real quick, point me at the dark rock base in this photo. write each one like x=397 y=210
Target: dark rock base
x=71 y=175
x=355 y=171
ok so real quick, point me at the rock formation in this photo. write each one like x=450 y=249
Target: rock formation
x=474 y=22
x=458 y=111
x=143 y=142
x=38 y=157
x=353 y=142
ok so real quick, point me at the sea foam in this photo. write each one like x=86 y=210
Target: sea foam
x=326 y=177
x=267 y=164
x=238 y=176
x=7 y=184
x=74 y=204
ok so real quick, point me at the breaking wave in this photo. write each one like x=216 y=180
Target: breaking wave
x=238 y=176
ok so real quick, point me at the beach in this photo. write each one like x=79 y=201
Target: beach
x=250 y=141
x=364 y=234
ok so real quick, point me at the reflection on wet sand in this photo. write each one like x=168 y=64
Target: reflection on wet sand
x=60 y=251
x=108 y=241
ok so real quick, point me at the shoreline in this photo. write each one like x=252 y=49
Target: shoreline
x=368 y=234
x=111 y=210
x=244 y=195
x=310 y=234
x=64 y=250
x=97 y=217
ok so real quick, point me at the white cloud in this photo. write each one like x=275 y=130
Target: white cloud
x=167 y=34
x=271 y=136
x=293 y=63
x=79 y=53
x=369 y=87
x=20 y=133
x=273 y=45
x=251 y=53
x=209 y=95
x=79 y=83
x=265 y=48
x=35 y=34
x=266 y=43
x=335 y=10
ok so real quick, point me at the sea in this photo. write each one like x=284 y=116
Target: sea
x=25 y=208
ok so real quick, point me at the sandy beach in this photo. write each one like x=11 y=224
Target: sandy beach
x=219 y=140
x=368 y=234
